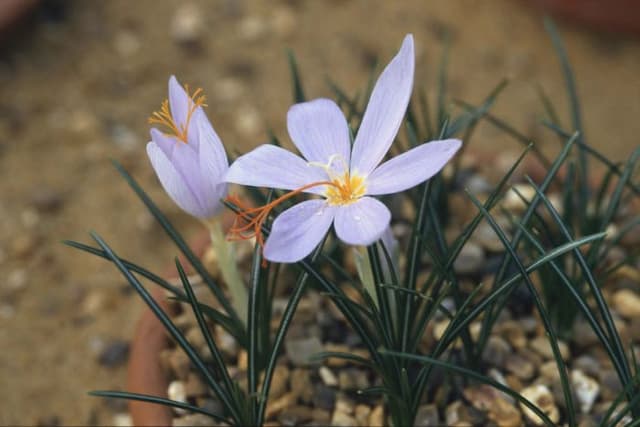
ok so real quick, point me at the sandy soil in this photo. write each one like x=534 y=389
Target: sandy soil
x=79 y=81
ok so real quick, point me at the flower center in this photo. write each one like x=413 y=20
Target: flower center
x=165 y=118
x=345 y=189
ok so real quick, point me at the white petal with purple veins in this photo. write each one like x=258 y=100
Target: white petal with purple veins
x=411 y=168
x=298 y=230
x=385 y=111
x=179 y=101
x=165 y=142
x=173 y=182
x=213 y=168
x=274 y=167
x=362 y=222
x=320 y=131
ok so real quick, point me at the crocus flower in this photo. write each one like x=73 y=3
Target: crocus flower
x=345 y=178
x=188 y=158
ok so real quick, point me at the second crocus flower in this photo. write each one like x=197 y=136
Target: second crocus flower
x=187 y=155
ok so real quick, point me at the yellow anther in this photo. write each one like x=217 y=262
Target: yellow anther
x=345 y=190
x=165 y=118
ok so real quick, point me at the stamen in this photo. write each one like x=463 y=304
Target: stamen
x=327 y=166
x=165 y=118
x=248 y=222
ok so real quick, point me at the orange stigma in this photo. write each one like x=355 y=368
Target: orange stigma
x=163 y=116
x=249 y=221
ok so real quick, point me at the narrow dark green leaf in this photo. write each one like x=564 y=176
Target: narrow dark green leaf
x=131 y=266
x=620 y=362
x=170 y=327
x=204 y=328
x=553 y=339
x=511 y=131
x=158 y=401
x=287 y=317
x=179 y=241
x=475 y=376
x=344 y=356
x=296 y=83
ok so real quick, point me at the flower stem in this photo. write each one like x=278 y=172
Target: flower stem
x=363 y=266
x=229 y=269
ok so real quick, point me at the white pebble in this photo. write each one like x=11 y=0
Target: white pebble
x=586 y=389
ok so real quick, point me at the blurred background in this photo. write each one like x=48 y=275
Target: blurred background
x=79 y=79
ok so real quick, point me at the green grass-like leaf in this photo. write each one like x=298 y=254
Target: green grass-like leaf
x=175 y=333
x=159 y=401
x=180 y=243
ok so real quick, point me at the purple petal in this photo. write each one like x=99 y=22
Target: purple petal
x=298 y=230
x=274 y=167
x=411 y=168
x=362 y=222
x=165 y=142
x=213 y=168
x=212 y=149
x=178 y=101
x=172 y=181
x=320 y=131
x=385 y=111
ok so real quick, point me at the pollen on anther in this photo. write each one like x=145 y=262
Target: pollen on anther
x=164 y=117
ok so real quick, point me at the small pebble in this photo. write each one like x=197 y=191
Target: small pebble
x=283 y=22
x=279 y=382
x=513 y=200
x=176 y=391
x=486 y=237
x=16 y=281
x=586 y=390
x=194 y=386
x=427 y=416
x=610 y=383
x=376 y=419
x=340 y=419
x=457 y=413
x=541 y=396
x=194 y=420
x=23 y=245
x=327 y=376
x=352 y=379
x=114 y=354
x=542 y=346
x=126 y=43
x=295 y=415
x=513 y=333
x=587 y=364
x=275 y=406
x=301 y=385
x=362 y=413
x=122 y=420
x=247 y=121
x=470 y=260
x=519 y=366
x=496 y=351
x=299 y=351
x=627 y=303
x=252 y=28
x=46 y=200
x=180 y=364
x=324 y=397
x=187 y=25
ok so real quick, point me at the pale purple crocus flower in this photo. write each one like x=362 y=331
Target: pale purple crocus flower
x=344 y=177
x=187 y=155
